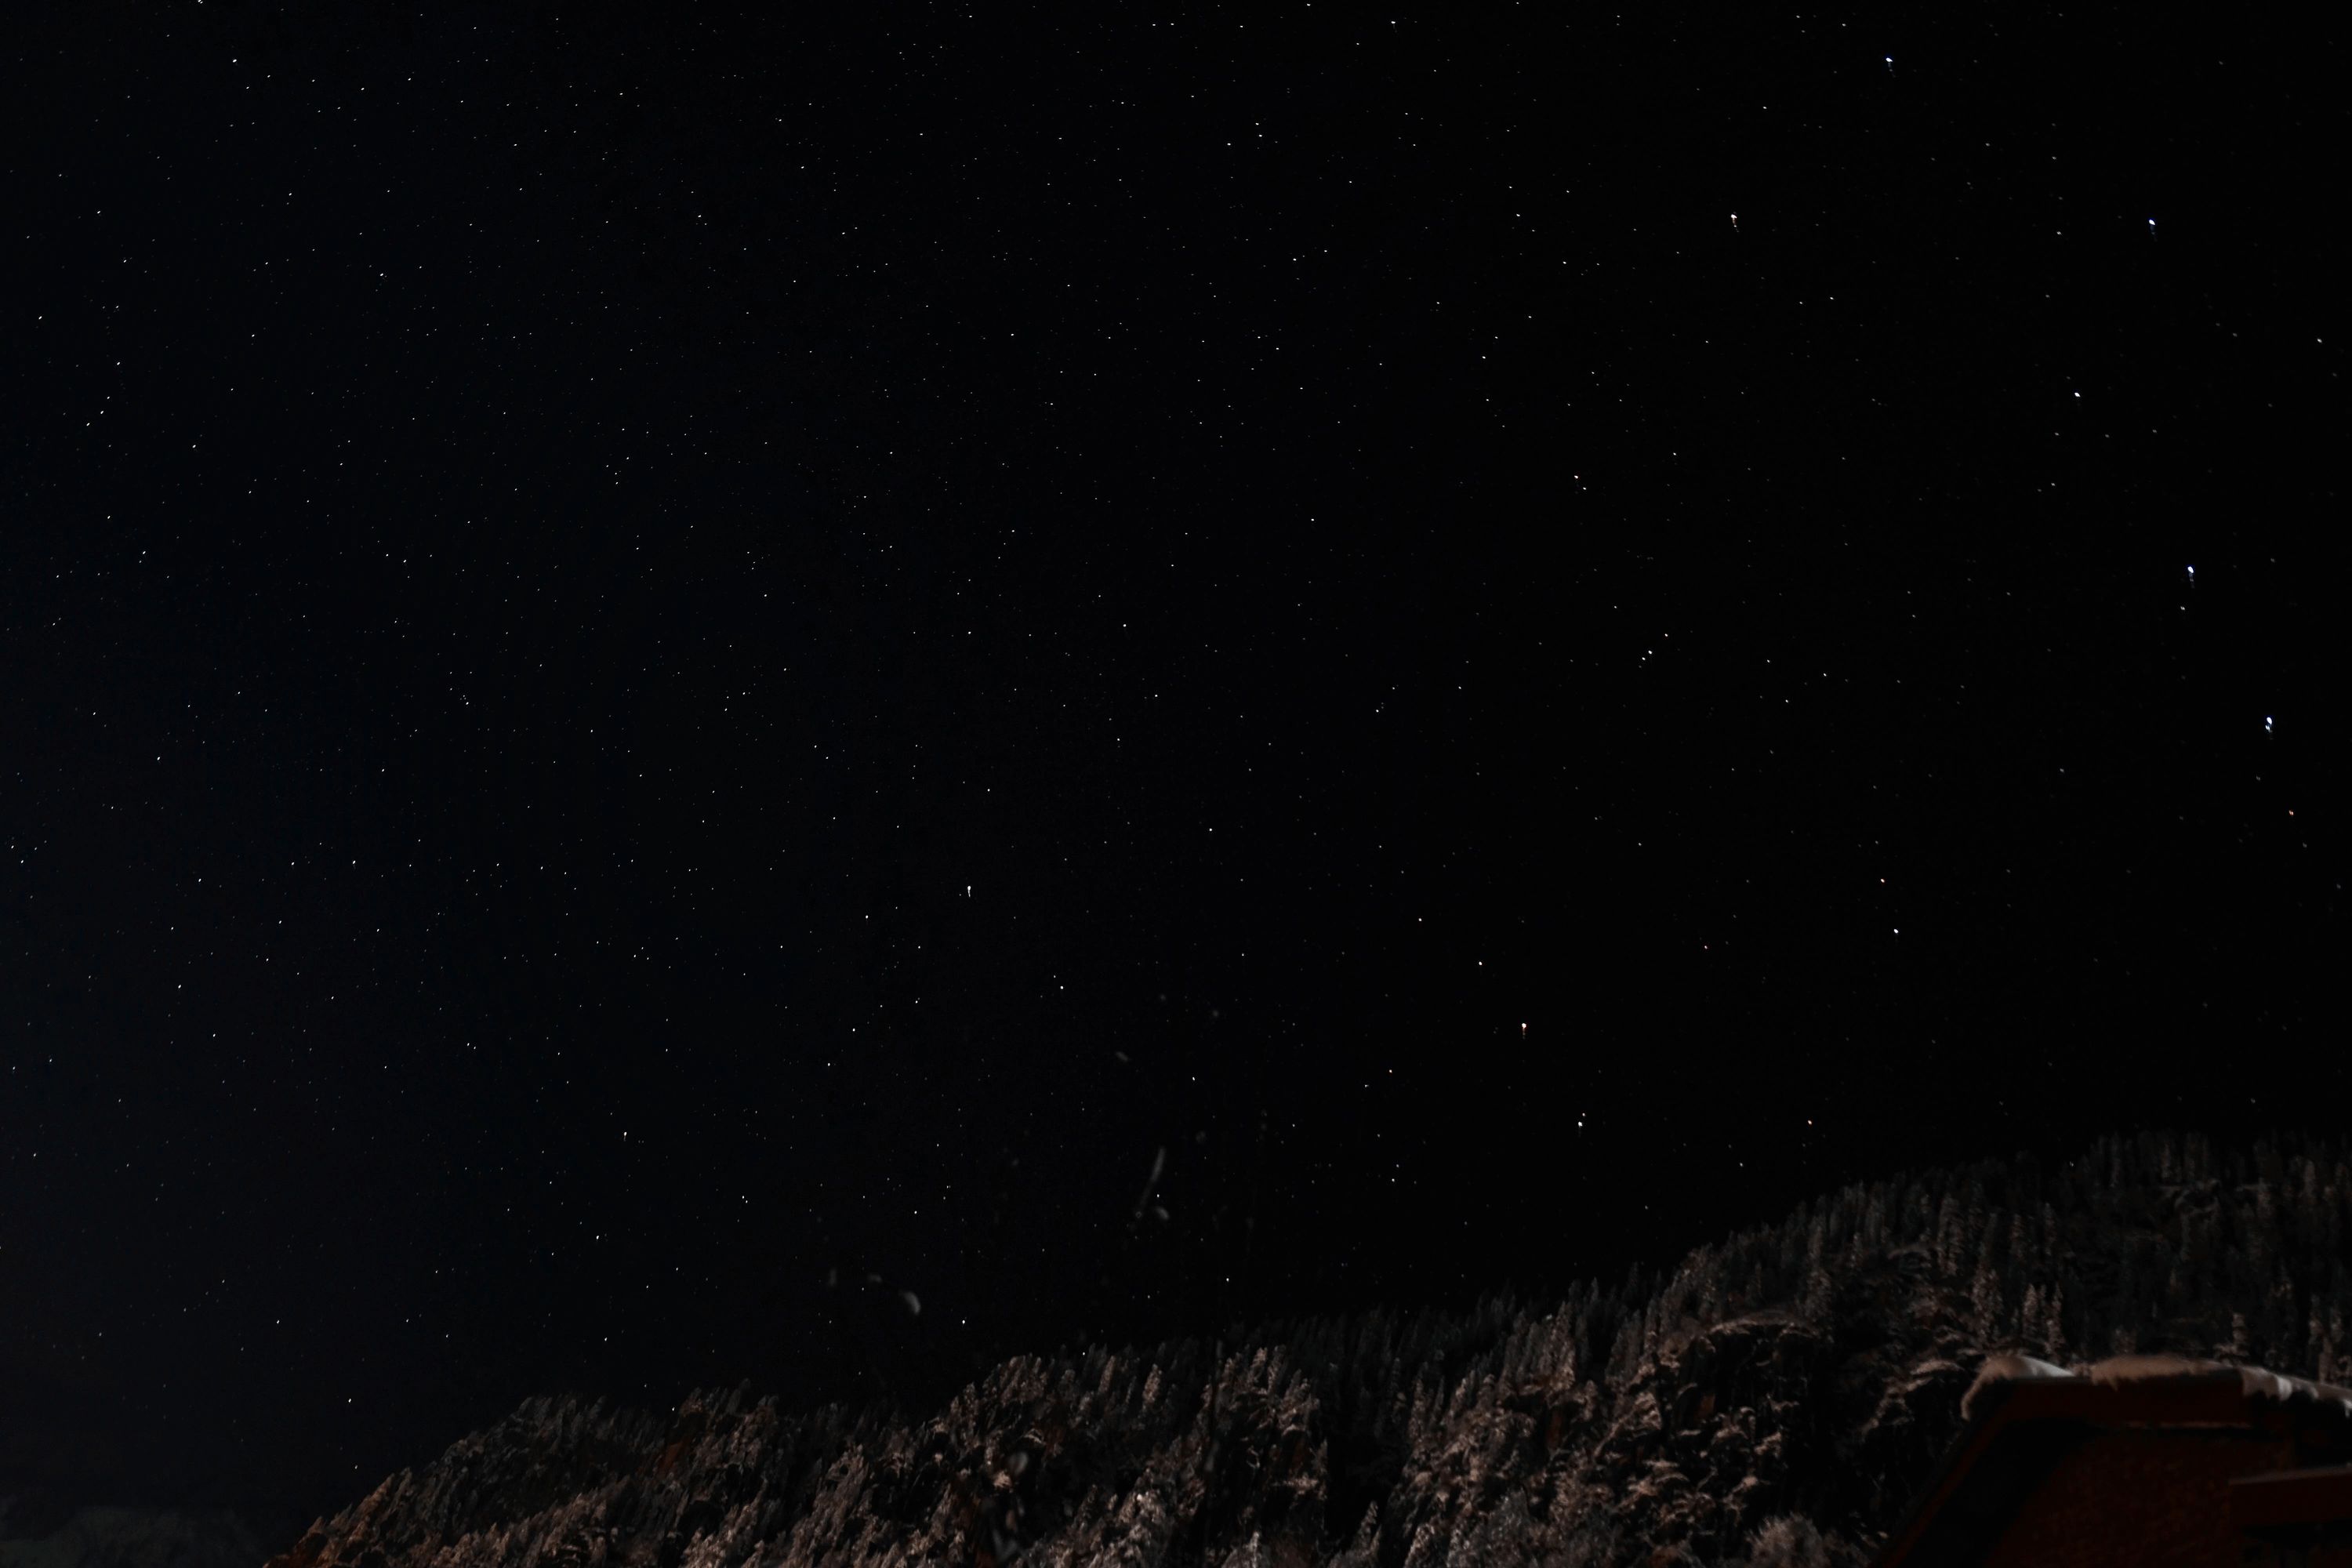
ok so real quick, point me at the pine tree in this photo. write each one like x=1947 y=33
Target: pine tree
x=1791 y=1541
x=1985 y=1303
x=2053 y=1322
x=2131 y=1289
x=2022 y=1254
x=1947 y=1233
x=2282 y=1325
x=1710 y=1293
x=1817 y=1276
x=1984 y=1283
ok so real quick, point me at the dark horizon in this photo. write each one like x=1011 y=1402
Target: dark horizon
x=914 y=1373
x=648 y=657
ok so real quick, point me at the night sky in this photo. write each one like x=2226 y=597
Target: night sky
x=649 y=657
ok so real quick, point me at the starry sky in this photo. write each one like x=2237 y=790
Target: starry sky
x=1102 y=667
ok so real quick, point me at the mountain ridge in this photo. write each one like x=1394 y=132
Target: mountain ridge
x=1775 y=1397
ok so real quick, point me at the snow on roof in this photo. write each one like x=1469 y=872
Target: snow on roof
x=2116 y=1372
x=2261 y=1384
x=2006 y=1369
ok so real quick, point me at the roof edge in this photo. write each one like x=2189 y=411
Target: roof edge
x=2125 y=1386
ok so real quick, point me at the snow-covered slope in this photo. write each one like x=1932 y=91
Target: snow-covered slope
x=1775 y=1400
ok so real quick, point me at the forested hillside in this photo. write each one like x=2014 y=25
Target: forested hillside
x=1776 y=1398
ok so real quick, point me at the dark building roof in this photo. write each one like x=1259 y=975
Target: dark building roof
x=2136 y=1459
